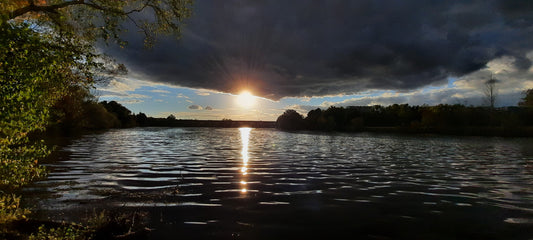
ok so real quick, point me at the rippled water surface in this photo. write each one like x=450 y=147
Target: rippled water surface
x=267 y=184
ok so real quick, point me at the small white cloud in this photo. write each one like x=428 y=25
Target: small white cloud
x=159 y=91
x=130 y=101
x=305 y=99
x=302 y=109
x=135 y=95
x=203 y=93
x=189 y=101
x=181 y=96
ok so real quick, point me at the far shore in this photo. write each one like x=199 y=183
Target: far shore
x=459 y=131
x=164 y=122
x=488 y=131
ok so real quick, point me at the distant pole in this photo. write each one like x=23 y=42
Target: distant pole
x=490 y=91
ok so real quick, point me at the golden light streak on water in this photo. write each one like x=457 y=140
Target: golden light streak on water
x=245 y=138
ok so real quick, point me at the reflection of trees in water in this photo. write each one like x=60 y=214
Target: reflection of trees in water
x=527 y=152
x=491 y=91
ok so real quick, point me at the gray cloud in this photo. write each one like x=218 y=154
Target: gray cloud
x=315 y=48
x=195 y=107
x=435 y=97
x=208 y=108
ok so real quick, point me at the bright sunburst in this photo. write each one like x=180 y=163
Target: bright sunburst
x=245 y=99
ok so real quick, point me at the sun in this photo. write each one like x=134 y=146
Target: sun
x=245 y=99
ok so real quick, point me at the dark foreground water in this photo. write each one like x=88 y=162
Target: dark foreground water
x=266 y=184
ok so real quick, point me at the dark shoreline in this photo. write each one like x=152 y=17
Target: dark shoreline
x=162 y=122
x=458 y=131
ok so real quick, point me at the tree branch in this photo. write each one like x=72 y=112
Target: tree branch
x=53 y=8
x=137 y=10
x=39 y=8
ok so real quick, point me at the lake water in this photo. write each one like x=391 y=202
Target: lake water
x=266 y=184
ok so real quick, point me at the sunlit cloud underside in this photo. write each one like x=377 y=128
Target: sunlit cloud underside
x=140 y=94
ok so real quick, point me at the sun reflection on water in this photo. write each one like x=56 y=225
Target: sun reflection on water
x=245 y=137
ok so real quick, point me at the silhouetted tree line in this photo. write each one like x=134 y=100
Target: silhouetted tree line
x=79 y=111
x=171 y=121
x=450 y=119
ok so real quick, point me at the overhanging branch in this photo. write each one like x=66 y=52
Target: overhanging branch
x=39 y=8
x=53 y=8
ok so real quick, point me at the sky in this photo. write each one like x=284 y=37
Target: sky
x=307 y=54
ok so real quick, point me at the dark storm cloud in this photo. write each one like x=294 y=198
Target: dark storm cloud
x=319 y=47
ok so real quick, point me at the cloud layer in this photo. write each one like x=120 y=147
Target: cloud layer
x=314 y=48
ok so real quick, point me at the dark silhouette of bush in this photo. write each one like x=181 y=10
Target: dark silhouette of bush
x=527 y=101
x=122 y=113
x=79 y=110
x=290 y=120
x=142 y=119
x=96 y=117
x=171 y=117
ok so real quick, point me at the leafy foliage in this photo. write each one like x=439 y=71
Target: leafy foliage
x=290 y=120
x=47 y=61
x=527 y=101
x=60 y=233
x=35 y=70
x=123 y=114
x=102 y=19
x=78 y=110
x=10 y=209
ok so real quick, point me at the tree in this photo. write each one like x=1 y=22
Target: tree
x=290 y=120
x=35 y=72
x=46 y=46
x=142 y=119
x=123 y=114
x=527 y=101
x=490 y=91
x=102 y=19
x=313 y=119
x=171 y=117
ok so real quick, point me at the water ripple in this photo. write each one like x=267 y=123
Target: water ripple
x=197 y=167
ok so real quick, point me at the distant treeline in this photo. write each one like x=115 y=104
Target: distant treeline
x=72 y=116
x=173 y=122
x=445 y=119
